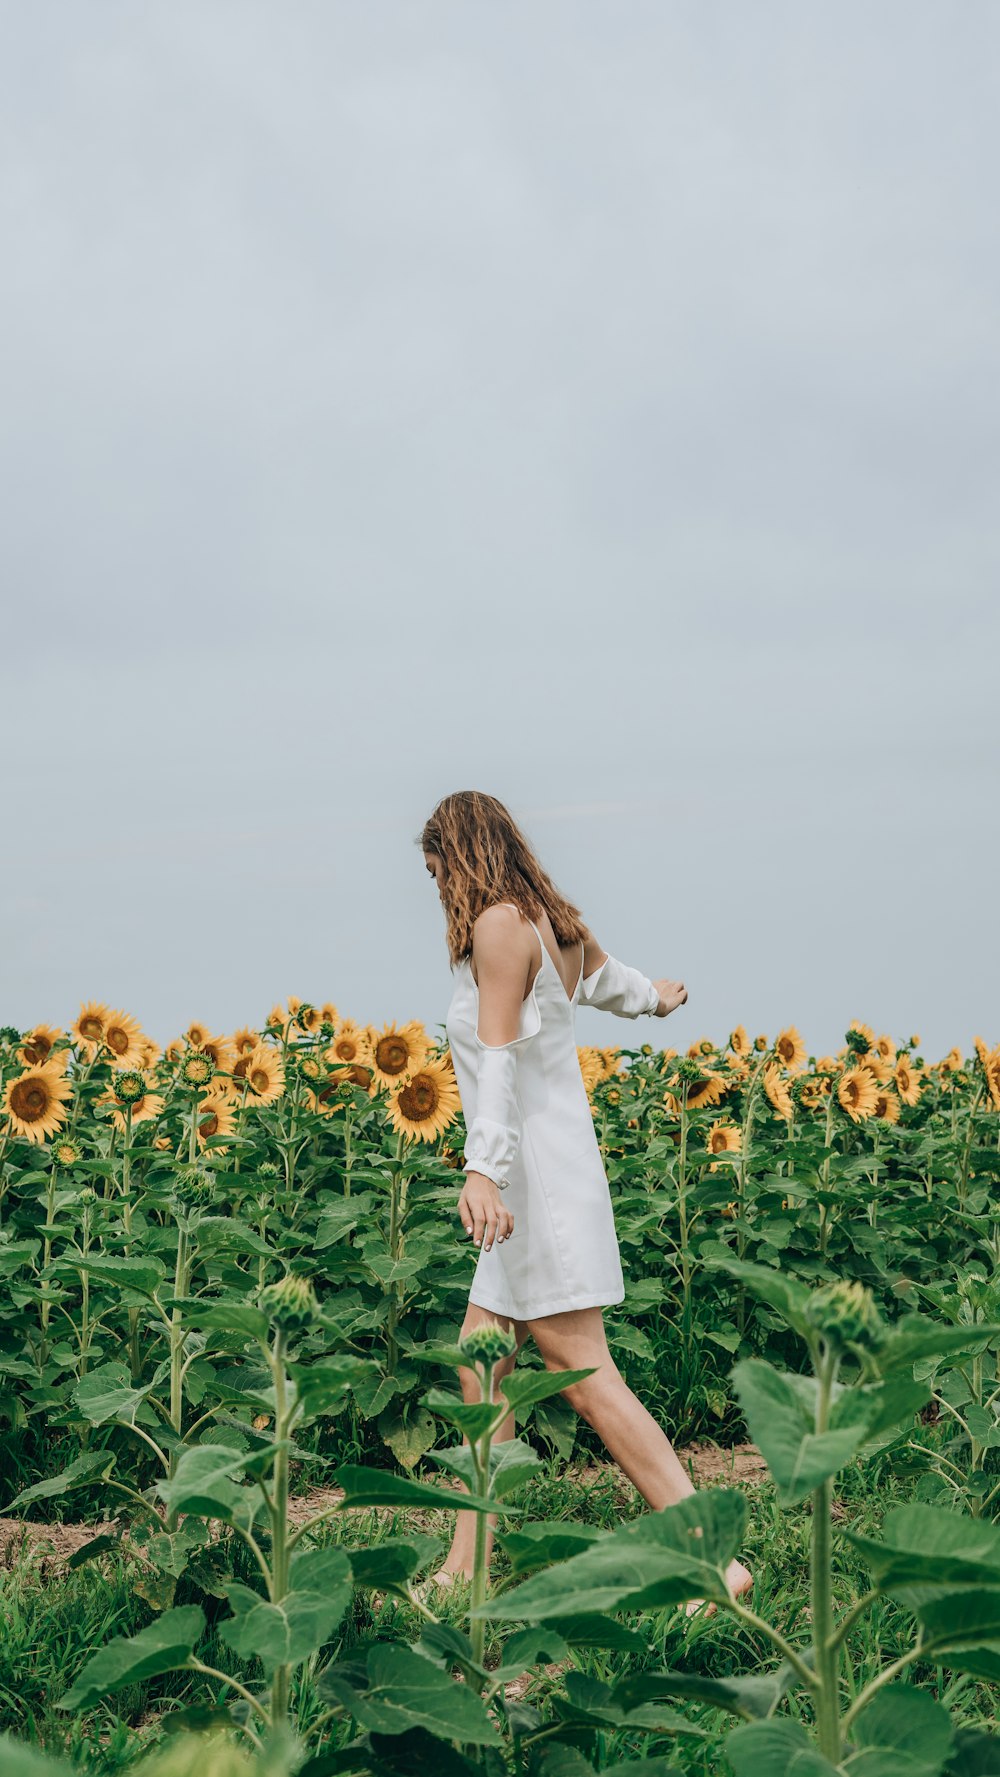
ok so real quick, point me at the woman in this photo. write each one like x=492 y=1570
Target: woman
x=536 y=1201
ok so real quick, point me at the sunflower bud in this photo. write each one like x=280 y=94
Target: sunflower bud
x=197 y=1068
x=267 y=1169
x=857 y=1042
x=845 y=1314
x=128 y=1085
x=488 y=1343
x=688 y=1069
x=290 y=1304
x=66 y=1152
x=193 y=1188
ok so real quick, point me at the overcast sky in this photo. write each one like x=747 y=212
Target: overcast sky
x=595 y=404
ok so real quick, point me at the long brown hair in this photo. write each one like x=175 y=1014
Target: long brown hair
x=487 y=859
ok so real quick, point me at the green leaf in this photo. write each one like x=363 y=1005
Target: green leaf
x=166 y=1646
x=202 y=1482
x=902 y=1733
x=285 y=1633
x=323 y=1387
x=132 y=1277
x=376 y=1487
x=753 y=1697
x=662 y=1558
x=776 y=1288
x=931 y=1551
x=389 y=1565
x=406 y=1691
x=108 y=1393
x=536 y=1545
x=89 y=1467
x=916 y=1337
x=776 y=1748
x=18 y=1760
x=237 y=1317
x=472 y=1418
x=799 y=1459
x=525 y=1388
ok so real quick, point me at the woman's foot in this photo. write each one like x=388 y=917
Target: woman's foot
x=739 y=1580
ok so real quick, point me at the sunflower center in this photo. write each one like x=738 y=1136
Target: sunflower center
x=392 y=1055
x=29 y=1100
x=418 y=1100
x=92 y=1029
x=258 y=1080
x=210 y=1124
x=116 y=1039
x=346 y=1049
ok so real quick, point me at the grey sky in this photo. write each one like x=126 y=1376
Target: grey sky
x=594 y=404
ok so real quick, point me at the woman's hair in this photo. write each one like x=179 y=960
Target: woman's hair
x=487 y=859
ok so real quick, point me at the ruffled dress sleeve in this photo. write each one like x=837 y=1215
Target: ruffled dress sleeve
x=495 y=1132
x=614 y=987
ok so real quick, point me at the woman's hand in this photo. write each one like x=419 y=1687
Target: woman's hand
x=672 y=994
x=482 y=1211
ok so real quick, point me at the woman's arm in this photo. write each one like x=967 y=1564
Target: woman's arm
x=611 y=986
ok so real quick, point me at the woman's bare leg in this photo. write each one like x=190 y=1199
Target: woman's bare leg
x=576 y=1340
x=459 y=1556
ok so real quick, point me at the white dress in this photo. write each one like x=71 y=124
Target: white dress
x=530 y=1128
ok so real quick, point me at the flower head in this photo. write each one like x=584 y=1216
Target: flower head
x=488 y=1343
x=845 y=1315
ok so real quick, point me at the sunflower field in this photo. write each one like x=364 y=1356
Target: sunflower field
x=234 y=1446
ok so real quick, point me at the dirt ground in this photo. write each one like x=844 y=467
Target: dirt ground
x=708 y=1465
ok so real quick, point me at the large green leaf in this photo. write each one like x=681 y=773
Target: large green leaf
x=405 y=1691
x=663 y=1558
x=130 y=1277
x=777 y=1748
x=902 y=1733
x=928 y=1552
x=82 y=1470
x=285 y=1633
x=378 y=1487
x=472 y=1418
x=782 y=1424
x=917 y=1337
x=753 y=1697
x=776 y=1288
x=166 y=1646
x=526 y=1387
x=202 y=1482
x=536 y=1545
x=391 y=1563
x=108 y=1393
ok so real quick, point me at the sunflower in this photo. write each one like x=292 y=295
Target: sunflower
x=151 y=1053
x=349 y=1045
x=277 y=1021
x=143 y=1109
x=426 y=1104
x=220 y=1051
x=398 y=1052
x=198 y=1035
x=163 y=1142
x=709 y=1090
x=884 y=1048
x=879 y=1066
x=790 y=1049
x=814 y=1091
x=354 y=1075
x=244 y=1040
x=87 y=1029
x=35 y=1102
x=124 y=1038
x=723 y=1138
x=857 y=1093
x=992 y=1071
x=591 y=1067
x=739 y=1042
x=907 y=1081
x=36 y=1049
x=174 y=1051
x=886 y=1107
x=262 y=1073
x=329 y=1013
x=777 y=1091
x=760 y=1043
x=862 y=1030
x=216 y=1116
x=309 y=1018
